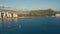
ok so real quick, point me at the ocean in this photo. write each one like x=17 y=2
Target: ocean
x=33 y=25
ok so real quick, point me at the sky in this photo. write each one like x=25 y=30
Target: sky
x=31 y=4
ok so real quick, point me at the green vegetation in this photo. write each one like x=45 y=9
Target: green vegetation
x=37 y=13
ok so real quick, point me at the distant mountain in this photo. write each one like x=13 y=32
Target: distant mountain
x=48 y=12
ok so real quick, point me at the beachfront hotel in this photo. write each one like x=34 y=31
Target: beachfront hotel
x=6 y=14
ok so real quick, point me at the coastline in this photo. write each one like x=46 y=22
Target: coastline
x=31 y=17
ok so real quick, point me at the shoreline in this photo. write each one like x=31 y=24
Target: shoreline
x=30 y=17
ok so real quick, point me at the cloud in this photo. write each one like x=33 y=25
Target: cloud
x=4 y=6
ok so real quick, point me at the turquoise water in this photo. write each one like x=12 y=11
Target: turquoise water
x=40 y=25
